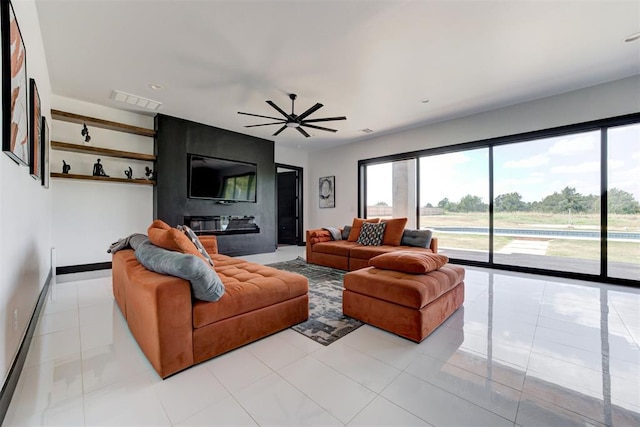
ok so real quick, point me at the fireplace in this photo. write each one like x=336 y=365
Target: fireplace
x=222 y=224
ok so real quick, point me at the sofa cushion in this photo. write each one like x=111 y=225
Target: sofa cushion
x=409 y=261
x=416 y=238
x=172 y=239
x=335 y=247
x=393 y=231
x=316 y=236
x=158 y=223
x=371 y=234
x=357 y=226
x=248 y=287
x=191 y=235
x=205 y=283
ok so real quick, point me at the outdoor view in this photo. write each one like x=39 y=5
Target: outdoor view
x=546 y=201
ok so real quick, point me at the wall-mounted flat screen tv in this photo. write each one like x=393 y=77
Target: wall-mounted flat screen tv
x=221 y=179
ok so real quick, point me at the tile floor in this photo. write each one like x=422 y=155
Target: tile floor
x=524 y=350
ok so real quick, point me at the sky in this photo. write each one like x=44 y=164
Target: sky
x=534 y=169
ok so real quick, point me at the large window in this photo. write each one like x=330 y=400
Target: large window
x=547 y=203
x=623 y=202
x=530 y=201
x=454 y=202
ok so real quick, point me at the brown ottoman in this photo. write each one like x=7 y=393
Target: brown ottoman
x=409 y=305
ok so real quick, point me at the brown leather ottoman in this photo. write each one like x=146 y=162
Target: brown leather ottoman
x=409 y=305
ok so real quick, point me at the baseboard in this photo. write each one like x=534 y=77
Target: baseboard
x=10 y=384
x=83 y=267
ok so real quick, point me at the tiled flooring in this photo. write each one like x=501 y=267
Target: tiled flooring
x=525 y=350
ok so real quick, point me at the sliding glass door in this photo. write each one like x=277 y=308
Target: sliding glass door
x=534 y=200
x=454 y=202
x=547 y=203
x=623 y=196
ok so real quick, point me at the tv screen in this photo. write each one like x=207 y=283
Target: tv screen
x=221 y=179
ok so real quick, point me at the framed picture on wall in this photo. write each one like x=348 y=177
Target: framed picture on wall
x=35 y=121
x=44 y=157
x=326 y=191
x=15 y=111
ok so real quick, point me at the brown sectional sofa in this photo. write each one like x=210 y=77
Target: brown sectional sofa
x=176 y=331
x=346 y=255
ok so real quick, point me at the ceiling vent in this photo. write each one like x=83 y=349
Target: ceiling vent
x=135 y=100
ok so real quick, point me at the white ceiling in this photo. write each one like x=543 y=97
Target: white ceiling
x=372 y=61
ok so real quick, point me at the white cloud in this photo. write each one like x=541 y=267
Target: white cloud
x=580 y=168
x=635 y=155
x=531 y=162
x=573 y=145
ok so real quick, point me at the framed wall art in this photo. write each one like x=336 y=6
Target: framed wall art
x=15 y=111
x=44 y=157
x=326 y=191
x=35 y=144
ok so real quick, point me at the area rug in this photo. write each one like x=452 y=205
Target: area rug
x=326 y=322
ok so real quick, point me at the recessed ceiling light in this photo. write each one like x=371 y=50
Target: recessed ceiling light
x=424 y=101
x=632 y=37
x=366 y=130
x=155 y=86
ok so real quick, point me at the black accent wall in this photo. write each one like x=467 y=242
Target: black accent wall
x=174 y=139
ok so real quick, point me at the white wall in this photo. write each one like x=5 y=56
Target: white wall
x=295 y=157
x=607 y=100
x=89 y=215
x=25 y=212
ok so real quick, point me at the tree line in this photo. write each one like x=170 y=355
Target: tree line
x=567 y=200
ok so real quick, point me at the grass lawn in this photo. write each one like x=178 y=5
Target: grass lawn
x=533 y=220
x=628 y=252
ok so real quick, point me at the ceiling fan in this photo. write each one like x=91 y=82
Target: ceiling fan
x=295 y=121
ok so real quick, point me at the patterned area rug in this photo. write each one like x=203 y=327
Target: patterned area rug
x=326 y=322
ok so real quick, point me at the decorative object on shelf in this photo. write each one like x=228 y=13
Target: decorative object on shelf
x=35 y=143
x=85 y=132
x=44 y=156
x=148 y=172
x=98 y=170
x=327 y=192
x=65 y=167
x=15 y=111
x=128 y=172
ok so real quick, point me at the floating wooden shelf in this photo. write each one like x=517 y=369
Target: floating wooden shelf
x=105 y=124
x=76 y=148
x=102 y=178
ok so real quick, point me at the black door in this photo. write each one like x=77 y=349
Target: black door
x=287 y=203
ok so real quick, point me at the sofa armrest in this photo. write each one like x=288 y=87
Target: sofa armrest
x=210 y=244
x=166 y=340
x=434 y=245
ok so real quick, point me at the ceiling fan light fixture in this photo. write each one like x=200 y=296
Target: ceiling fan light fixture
x=293 y=124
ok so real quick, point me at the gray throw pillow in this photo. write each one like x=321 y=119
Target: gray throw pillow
x=335 y=233
x=417 y=238
x=205 y=282
x=345 y=232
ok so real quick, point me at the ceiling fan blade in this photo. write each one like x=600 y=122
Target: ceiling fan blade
x=326 y=119
x=280 y=130
x=258 y=115
x=266 y=124
x=280 y=110
x=319 y=127
x=302 y=131
x=310 y=111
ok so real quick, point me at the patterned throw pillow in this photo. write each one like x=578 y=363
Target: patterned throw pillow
x=371 y=234
x=194 y=238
